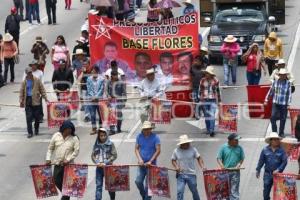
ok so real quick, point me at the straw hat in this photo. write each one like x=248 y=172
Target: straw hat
x=230 y=39
x=7 y=37
x=183 y=139
x=79 y=52
x=147 y=125
x=283 y=71
x=28 y=70
x=272 y=135
x=150 y=71
x=289 y=140
x=210 y=70
x=187 y=2
x=273 y=35
x=39 y=39
x=204 y=49
x=280 y=62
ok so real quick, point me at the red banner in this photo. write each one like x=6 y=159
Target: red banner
x=108 y=112
x=161 y=112
x=217 y=184
x=256 y=99
x=43 y=181
x=228 y=118
x=70 y=96
x=292 y=150
x=75 y=180
x=138 y=46
x=158 y=182
x=284 y=187
x=117 y=178
x=294 y=115
x=57 y=113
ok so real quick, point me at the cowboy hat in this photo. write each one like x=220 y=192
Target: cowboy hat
x=273 y=35
x=187 y=2
x=210 y=70
x=283 y=71
x=204 y=49
x=183 y=139
x=280 y=62
x=39 y=39
x=7 y=37
x=79 y=52
x=272 y=135
x=147 y=125
x=34 y=62
x=289 y=140
x=150 y=71
x=230 y=39
x=28 y=70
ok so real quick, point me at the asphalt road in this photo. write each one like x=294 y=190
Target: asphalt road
x=17 y=152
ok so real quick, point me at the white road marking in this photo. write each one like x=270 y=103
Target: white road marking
x=31 y=27
x=132 y=131
x=291 y=61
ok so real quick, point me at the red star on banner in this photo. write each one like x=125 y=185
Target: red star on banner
x=102 y=29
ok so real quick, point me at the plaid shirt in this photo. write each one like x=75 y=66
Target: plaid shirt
x=209 y=89
x=281 y=92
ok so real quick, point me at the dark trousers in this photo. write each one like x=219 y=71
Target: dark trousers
x=99 y=185
x=271 y=65
x=34 y=10
x=253 y=78
x=32 y=114
x=139 y=3
x=268 y=183
x=93 y=110
x=51 y=12
x=20 y=7
x=281 y=112
x=58 y=176
x=9 y=63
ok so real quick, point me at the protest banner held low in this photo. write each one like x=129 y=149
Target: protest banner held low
x=161 y=111
x=57 y=113
x=228 y=118
x=292 y=148
x=294 y=113
x=117 y=178
x=158 y=182
x=284 y=186
x=170 y=45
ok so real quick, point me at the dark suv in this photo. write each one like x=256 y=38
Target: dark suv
x=247 y=22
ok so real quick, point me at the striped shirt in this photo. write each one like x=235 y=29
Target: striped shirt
x=280 y=92
x=209 y=89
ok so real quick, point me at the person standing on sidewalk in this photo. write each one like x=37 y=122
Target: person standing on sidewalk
x=51 y=11
x=9 y=50
x=30 y=98
x=210 y=96
x=34 y=10
x=104 y=153
x=274 y=158
x=273 y=51
x=183 y=160
x=147 y=150
x=95 y=91
x=231 y=156
x=12 y=25
x=281 y=94
x=230 y=50
x=40 y=50
x=63 y=148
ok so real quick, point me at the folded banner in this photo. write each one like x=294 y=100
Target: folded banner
x=170 y=45
x=161 y=112
x=57 y=113
x=256 y=99
x=285 y=187
x=294 y=113
x=228 y=118
x=217 y=184
x=70 y=96
x=75 y=180
x=292 y=150
x=117 y=178
x=43 y=181
x=108 y=112
x=158 y=182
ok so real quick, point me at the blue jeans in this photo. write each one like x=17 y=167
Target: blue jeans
x=230 y=67
x=268 y=183
x=84 y=105
x=210 y=107
x=99 y=185
x=191 y=181
x=93 y=109
x=198 y=107
x=34 y=10
x=253 y=79
x=234 y=178
x=281 y=111
x=141 y=177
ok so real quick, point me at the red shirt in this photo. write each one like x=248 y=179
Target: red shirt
x=33 y=1
x=251 y=62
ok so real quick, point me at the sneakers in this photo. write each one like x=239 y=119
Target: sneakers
x=94 y=131
x=212 y=134
x=29 y=136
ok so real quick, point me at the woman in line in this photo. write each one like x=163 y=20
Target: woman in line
x=104 y=153
x=60 y=51
x=255 y=63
